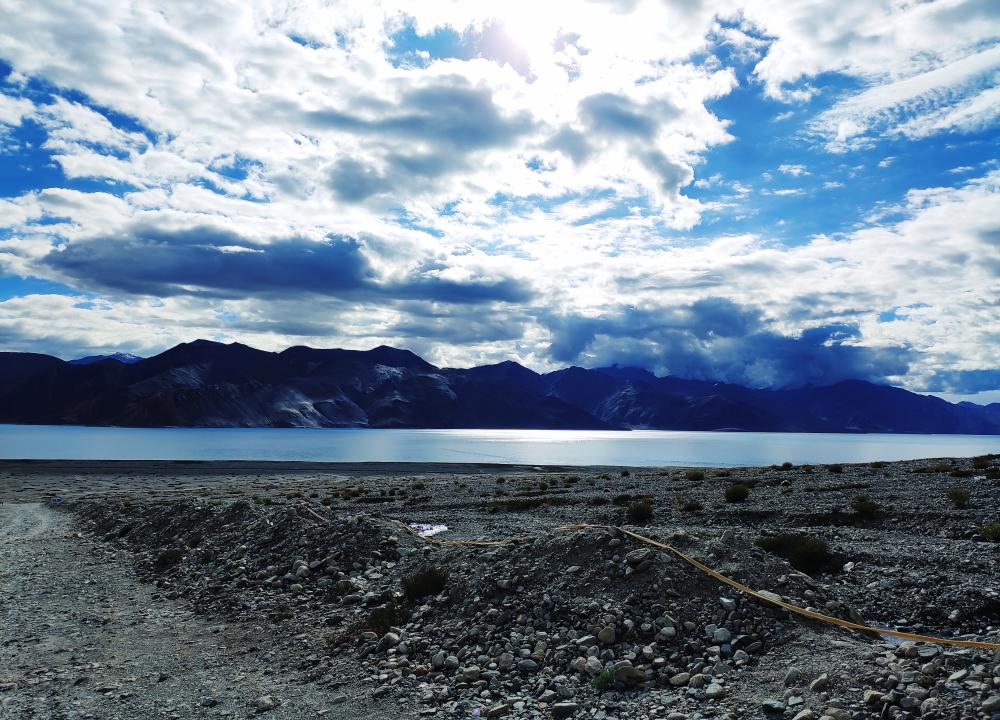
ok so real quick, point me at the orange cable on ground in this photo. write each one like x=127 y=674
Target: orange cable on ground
x=829 y=619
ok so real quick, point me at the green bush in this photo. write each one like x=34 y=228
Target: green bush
x=386 y=616
x=640 y=512
x=168 y=558
x=991 y=532
x=836 y=468
x=865 y=506
x=603 y=679
x=807 y=553
x=786 y=466
x=697 y=475
x=424 y=582
x=737 y=492
x=981 y=463
x=959 y=496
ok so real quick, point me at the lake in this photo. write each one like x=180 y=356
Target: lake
x=531 y=447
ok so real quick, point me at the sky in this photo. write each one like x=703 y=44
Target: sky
x=759 y=192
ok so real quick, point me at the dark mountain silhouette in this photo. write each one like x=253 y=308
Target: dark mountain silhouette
x=121 y=357
x=209 y=384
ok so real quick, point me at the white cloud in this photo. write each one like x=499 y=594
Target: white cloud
x=960 y=95
x=562 y=177
x=793 y=170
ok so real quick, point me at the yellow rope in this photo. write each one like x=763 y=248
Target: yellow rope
x=829 y=619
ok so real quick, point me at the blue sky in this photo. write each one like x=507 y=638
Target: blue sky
x=766 y=195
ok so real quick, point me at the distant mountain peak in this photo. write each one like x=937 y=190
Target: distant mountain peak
x=122 y=357
x=208 y=383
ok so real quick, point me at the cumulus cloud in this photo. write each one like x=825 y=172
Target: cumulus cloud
x=332 y=174
x=717 y=339
x=214 y=262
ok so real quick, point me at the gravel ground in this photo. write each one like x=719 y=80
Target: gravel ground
x=83 y=637
x=294 y=581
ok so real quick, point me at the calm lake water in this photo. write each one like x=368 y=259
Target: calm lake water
x=533 y=447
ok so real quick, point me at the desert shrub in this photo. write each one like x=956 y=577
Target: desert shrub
x=836 y=468
x=327 y=501
x=864 y=505
x=603 y=679
x=623 y=499
x=981 y=463
x=501 y=479
x=598 y=500
x=962 y=473
x=696 y=475
x=786 y=466
x=625 y=473
x=877 y=465
x=737 y=492
x=691 y=506
x=991 y=532
x=167 y=558
x=386 y=616
x=959 y=496
x=195 y=540
x=807 y=553
x=426 y=581
x=543 y=486
x=640 y=512
x=570 y=479
x=724 y=473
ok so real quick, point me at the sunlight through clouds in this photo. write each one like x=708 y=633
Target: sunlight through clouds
x=481 y=181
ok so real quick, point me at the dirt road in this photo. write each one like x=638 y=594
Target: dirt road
x=82 y=637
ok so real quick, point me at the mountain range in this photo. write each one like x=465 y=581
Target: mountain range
x=210 y=384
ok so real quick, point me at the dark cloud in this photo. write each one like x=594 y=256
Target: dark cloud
x=450 y=120
x=450 y=115
x=450 y=291
x=352 y=181
x=571 y=143
x=212 y=262
x=717 y=339
x=673 y=176
x=617 y=116
x=964 y=381
x=611 y=114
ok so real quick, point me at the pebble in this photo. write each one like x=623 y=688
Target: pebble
x=265 y=703
x=564 y=709
x=714 y=690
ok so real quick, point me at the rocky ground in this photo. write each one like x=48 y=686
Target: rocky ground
x=188 y=590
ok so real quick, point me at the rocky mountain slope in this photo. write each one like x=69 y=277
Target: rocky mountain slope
x=209 y=384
